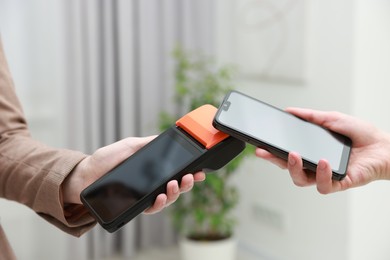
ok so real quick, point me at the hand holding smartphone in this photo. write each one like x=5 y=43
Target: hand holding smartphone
x=279 y=132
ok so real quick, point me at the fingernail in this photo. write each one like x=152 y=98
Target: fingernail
x=292 y=161
x=321 y=165
x=175 y=189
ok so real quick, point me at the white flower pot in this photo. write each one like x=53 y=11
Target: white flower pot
x=216 y=250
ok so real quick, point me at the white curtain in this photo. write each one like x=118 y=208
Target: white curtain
x=120 y=77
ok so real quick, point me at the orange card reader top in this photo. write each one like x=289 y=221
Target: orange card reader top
x=198 y=123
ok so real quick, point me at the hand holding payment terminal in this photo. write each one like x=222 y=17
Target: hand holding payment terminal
x=192 y=145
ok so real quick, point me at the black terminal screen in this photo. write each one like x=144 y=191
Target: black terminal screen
x=141 y=174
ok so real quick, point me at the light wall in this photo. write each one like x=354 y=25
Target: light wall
x=369 y=210
x=346 y=63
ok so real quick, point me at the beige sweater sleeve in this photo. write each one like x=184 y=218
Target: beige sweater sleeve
x=31 y=172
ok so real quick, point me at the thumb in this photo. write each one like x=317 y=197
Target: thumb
x=335 y=121
x=111 y=155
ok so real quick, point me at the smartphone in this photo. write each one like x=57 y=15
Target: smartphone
x=279 y=132
x=131 y=187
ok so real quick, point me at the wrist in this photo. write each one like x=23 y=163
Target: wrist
x=72 y=186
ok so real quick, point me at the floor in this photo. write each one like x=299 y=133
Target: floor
x=166 y=254
x=152 y=254
x=172 y=253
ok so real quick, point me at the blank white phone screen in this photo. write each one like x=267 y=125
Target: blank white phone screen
x=280 y=129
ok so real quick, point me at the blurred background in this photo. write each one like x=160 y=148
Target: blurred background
x=91 y=72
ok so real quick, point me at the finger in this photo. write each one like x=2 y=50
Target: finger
x=261 y=153
x=187 y=182
x=311 y=115
x=324 y=177
x=299 y=176
x=158 y=204
x=199 y=176
x=133 y=144
x=173 y=192
x=334 y=121
x=122 y=150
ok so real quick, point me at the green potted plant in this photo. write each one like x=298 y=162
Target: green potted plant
x=205 y=213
